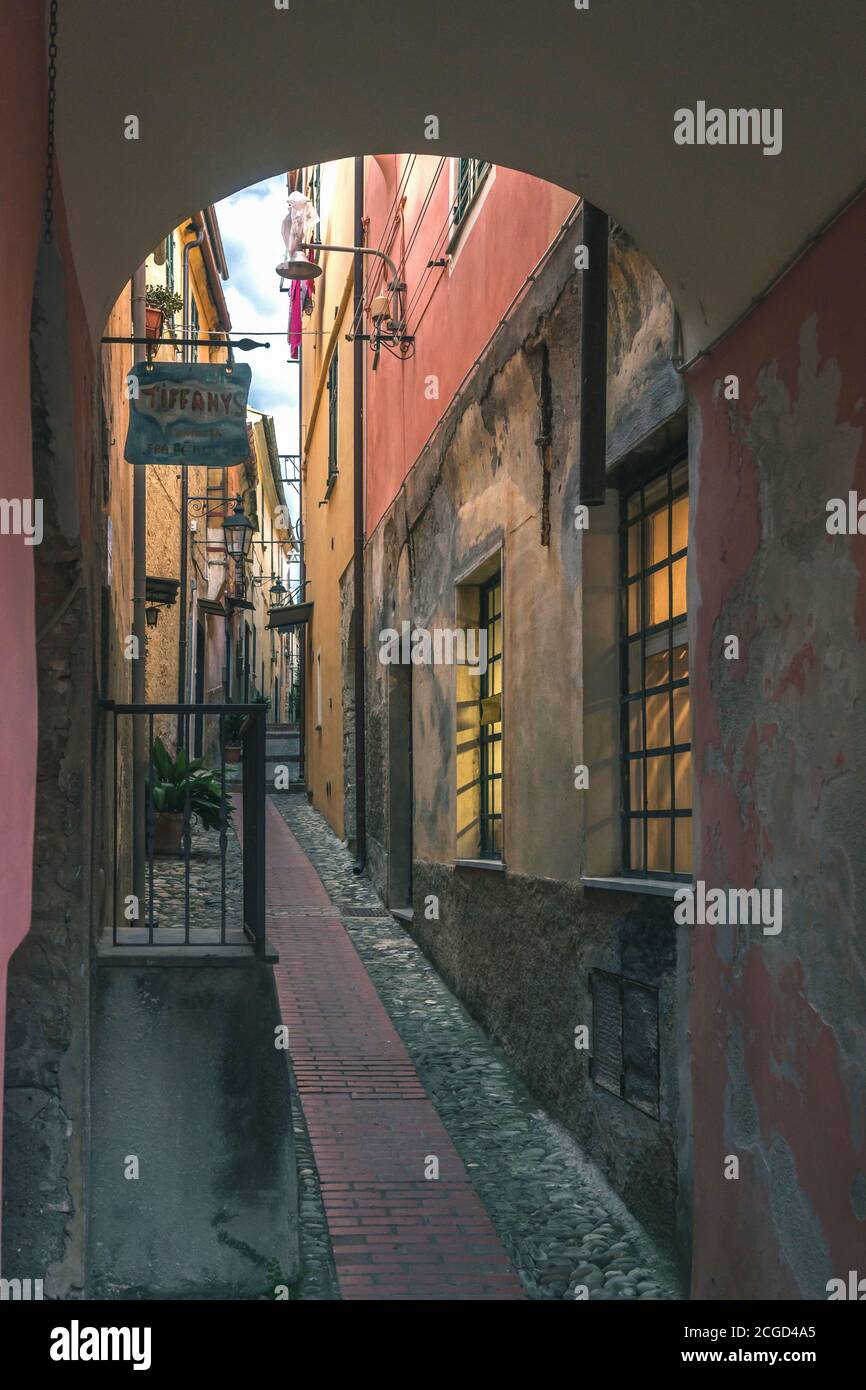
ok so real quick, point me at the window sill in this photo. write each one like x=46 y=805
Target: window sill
x=496 y=865
x=403 y=914
x=655 y=887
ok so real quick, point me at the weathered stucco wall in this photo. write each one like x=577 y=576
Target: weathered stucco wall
x=780 y=755
x=22 y=138
x=47 y=1034
x=518 y=946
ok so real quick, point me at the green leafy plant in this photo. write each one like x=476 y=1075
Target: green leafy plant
x=235 y=725
x=162 y=298
x=179 y=780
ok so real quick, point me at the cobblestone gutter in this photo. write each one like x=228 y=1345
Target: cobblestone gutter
x=561 y=1224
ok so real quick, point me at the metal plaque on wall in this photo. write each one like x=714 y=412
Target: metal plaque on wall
x=191 y=413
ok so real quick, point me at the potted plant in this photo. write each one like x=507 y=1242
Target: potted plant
x=175 y=783
x=161 y=303
x=235 y=724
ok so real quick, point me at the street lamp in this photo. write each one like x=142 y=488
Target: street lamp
x=237 y=533
x=277 y=592
x=295 y=265
x=298 y=224
x=151 y=613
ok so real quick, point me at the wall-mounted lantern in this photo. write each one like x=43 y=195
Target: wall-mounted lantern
x=237 y=533
x=277 y=592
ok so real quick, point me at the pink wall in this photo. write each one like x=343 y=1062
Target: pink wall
x=22 y=173
x=458 y=308
x=778 y=1040
x=22 y=162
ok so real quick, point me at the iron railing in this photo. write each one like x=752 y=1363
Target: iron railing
x=202 y=882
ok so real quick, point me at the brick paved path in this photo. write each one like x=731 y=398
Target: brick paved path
x=372 y=1127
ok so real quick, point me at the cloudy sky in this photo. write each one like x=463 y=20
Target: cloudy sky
x=250 y=224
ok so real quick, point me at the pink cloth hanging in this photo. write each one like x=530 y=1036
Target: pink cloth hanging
x=300 y=294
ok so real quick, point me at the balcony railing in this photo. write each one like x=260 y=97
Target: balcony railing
x=188 y=834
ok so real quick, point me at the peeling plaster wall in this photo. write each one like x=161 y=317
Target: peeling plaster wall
x=46 y=1094
x=518 y=946
x=779 y=1022
x=22 y=137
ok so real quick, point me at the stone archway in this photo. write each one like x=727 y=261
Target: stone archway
x=582 y=98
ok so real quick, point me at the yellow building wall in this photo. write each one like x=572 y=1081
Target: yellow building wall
x=164 y=509
x=267 y=560
x=328 y=528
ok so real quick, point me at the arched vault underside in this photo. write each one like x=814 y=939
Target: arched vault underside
x=228 y=92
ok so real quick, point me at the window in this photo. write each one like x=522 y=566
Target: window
x=470 y=176
x=319 y=688
x=314 y=193
x=478 y=716
x=490 y=736
x=625 y=1039
x=655 y=702
x=194 y=326
x=169 y=261
x=333 y=420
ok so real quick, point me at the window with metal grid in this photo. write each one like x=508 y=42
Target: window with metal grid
x=490 y=737
x=333 y=417
x=655 y=701
x=470 y=176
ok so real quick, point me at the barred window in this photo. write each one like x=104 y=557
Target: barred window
x=491 y=720
x=656 y=716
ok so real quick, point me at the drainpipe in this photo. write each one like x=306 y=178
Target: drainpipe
x=302 y=579
x=139 y=620
x=593 y=360
x=358 y=462
x=184 y=507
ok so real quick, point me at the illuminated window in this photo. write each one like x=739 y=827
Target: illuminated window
x=490 y=736
x=656 y=716
x=478 y=691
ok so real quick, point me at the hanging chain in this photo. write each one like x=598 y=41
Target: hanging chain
x=52 y=99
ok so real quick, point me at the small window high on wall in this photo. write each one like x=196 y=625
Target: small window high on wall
x=655 y=700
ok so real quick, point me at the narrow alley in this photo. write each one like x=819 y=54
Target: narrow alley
x=391 y=1072
x=433 y=536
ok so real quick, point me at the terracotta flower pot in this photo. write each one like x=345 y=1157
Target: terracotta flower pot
x=153 y=321
x=169 y=832
x=233 y=752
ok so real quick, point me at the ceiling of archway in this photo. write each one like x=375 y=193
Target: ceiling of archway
x=228 y=92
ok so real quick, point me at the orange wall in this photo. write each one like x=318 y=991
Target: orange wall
x=457 y=308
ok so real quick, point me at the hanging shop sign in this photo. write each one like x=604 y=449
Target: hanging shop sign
x=188 y=413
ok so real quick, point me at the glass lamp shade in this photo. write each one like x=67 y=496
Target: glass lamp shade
x=237 y=533
x=277 y=591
